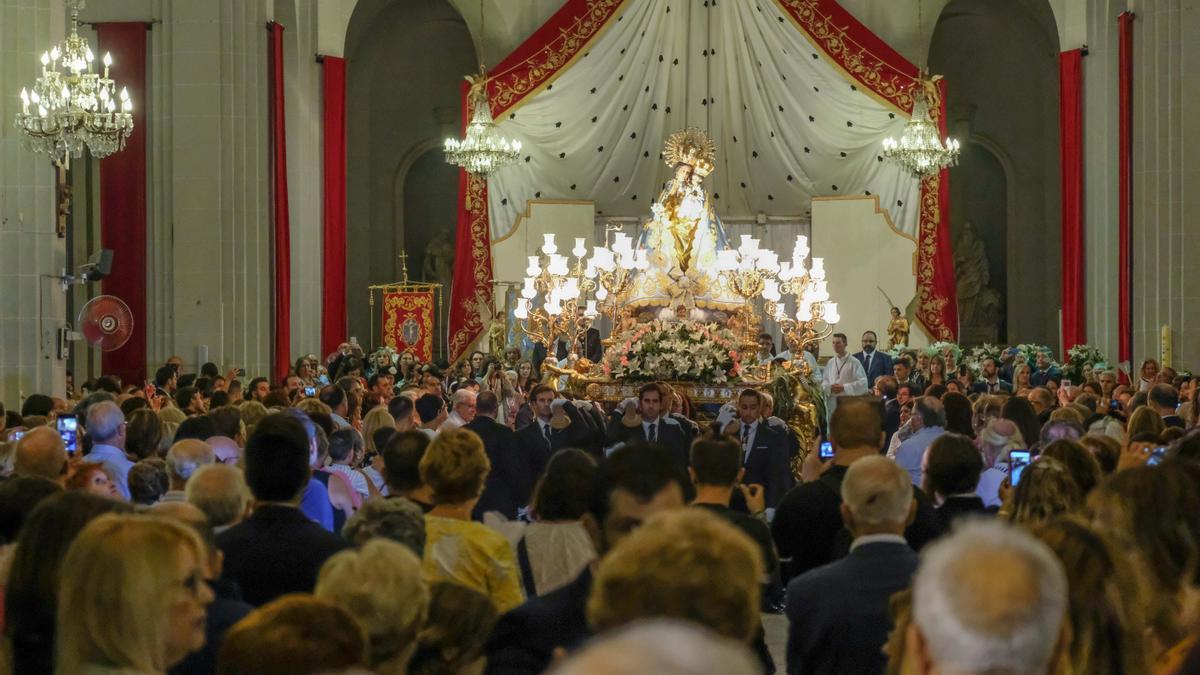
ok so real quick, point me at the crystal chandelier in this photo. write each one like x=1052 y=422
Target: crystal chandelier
x=483 y=150
x=70 y=106
x=920 y=148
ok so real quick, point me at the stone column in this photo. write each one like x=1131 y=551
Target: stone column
x=32 y=305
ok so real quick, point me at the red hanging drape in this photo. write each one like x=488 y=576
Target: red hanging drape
x=943 y=282
x=1070 y=121
x=1125 y=190
x=333 y=231
x=123 y=199
x=282 y=278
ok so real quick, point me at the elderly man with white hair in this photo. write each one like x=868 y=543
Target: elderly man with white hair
x=106 y=427
x=838 y=618
x=462 y=404
x=988 y=599
x=183 y=459
x=219 y=490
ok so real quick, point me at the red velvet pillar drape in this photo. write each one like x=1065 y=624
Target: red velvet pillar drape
x=1070 y=121
x=123 y=200
x=1125 y=189
x=333 y=231
x=944 y=283
x=282 y=278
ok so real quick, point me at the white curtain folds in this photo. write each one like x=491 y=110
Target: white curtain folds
x=788 y=124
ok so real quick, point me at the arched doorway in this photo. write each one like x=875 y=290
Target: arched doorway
x=406 y=61
x=1000 y=61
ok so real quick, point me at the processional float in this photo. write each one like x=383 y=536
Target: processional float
x=682 y=301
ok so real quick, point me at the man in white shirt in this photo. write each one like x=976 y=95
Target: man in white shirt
x=844 y=375
x=106 y=426
x=463 y=404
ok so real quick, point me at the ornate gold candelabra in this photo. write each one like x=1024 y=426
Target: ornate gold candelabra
x=562 y=286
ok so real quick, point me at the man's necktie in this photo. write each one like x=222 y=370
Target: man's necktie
x=546 y=432
x=745 y=441
x=651 y=434
x=869 y=355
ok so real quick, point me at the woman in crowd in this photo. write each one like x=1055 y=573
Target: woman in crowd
x=1021 y=375
x=937 y=371
x=952 y=469
x=452 y=640
x=958 y=414
x=555 y=548
x=143 y=433
x=408 y=366
x=380 y=584
x=156 y=619
x=526 y=379
x=295 y=635
x=31 y=594
x=91 y=477
x=1105 y=600
x=1046 y=490
x=305 y=371
x=1154 y=512
x=1144 y=420
x=1149 y=374
x=456 y=549
x=1106 y=450
x=1082 y=466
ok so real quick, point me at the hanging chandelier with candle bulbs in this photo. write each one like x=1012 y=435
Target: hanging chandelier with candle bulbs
x=483 y=149
x=921 y=149
x=71 y=106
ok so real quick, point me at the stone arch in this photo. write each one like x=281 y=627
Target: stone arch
x=1000 y=61
x=405 y=63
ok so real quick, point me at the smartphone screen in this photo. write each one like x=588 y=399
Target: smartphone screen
x=826 y=450
x=310 y=391
x=68 y=429
x=1017 y=461
x=1157 y=455
x=16 y=435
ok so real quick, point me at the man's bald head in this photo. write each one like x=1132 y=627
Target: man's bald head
x=41 y=453
x=185 y=457
x=857 y=423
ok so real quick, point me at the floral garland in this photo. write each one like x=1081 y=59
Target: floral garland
x=684 y=351
x=1082 y=359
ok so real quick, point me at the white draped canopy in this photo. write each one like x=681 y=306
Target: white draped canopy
x=788 y=125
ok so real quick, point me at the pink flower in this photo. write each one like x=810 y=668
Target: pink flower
x=732 y=354
x=624 y=361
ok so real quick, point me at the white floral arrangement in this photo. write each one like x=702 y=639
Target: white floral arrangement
x=940 y=349
x=1082 y=359
x=978 y=353
x=896 y=351
x=681 y=351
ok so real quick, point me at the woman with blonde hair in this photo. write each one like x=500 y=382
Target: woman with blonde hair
x=1144 y=420
x=133 y=597
x=455 y=467
x=380 y=584
x=1104 y=597
x=378 y=418
x=1046 y=490
x=1021 y=377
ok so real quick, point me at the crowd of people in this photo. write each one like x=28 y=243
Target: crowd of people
x=361 y=516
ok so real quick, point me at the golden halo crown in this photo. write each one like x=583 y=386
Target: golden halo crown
x=692 y=147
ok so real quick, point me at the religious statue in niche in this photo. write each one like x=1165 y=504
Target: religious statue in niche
x=979 y=305
x=438 y=266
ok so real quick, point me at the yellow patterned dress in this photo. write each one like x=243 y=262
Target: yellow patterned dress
x=472 y=555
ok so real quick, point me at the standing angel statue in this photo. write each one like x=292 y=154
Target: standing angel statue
x=897 y=330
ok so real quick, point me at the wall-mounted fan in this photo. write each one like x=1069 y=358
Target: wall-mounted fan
x=106 y=322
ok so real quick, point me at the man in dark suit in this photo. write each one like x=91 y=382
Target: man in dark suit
x=838 y=618
x=510 y=481
x=277 y=550
x=874 y=362
x=649 y=420
x=808 y=526
x=631 y=485
x=765 y=455
x=1164 y=399
x=989 y=381
x=902 y=369
x=540 y=439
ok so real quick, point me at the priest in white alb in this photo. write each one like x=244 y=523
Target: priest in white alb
x=844 y=375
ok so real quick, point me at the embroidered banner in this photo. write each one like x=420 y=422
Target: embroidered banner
x=408 y=322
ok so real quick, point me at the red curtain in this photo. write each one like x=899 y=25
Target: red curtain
x=123 y=200
x=944 y=281
x=1070 y=120
x=281 y=344
x=333 y=231
x=1125 y=190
